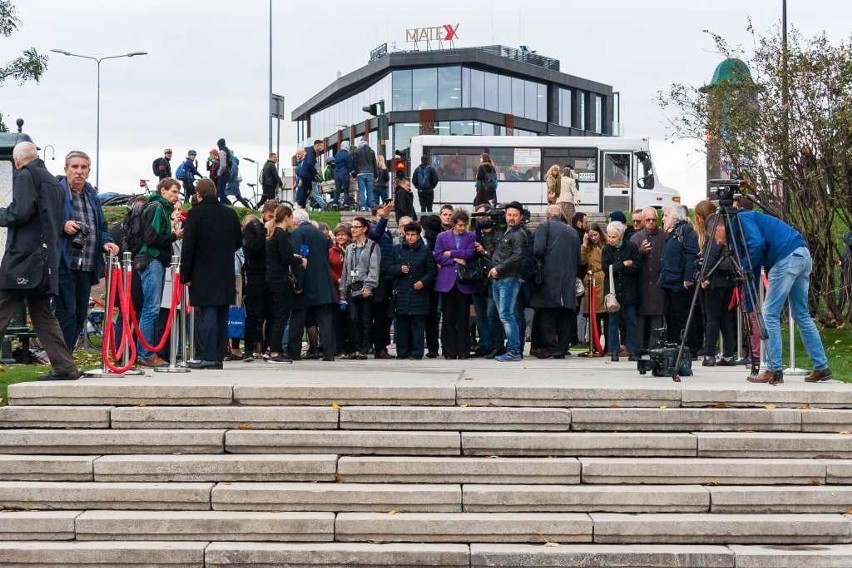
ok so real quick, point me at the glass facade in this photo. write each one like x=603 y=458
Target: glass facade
x=347 y=112
x=565 y=106
x=401 y=133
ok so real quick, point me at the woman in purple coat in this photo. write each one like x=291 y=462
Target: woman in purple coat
x=452 y=248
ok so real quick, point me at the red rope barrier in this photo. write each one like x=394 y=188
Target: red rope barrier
x=122 y=286
x=176 y=293
x=593 y=304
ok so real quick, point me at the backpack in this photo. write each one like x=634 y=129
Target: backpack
x=424 y=178
x=180 y=172
x=155 y=167
x=235 y=168
x=132 y=228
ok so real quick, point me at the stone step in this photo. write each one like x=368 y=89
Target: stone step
x=111 y=441
x=686 y=419
x=395 y=389
x=405 y=469
x=242 y=417
x=103 y=554
x=547 y=392
x=773 y=445
x=720 y=529
x=453 y=418
x=792 y=394
x=463 y=527
x=764 y=500
x=838 y=471
x=222 y=467
x=342 y=442
x=94 y=495
x=821 y=420
x=46 y=468
x=585 y=498
x=37 y=525
x=54 y=417
x=575 y=444
x=600 y=556
x=354 y=497
x=127 y=392
x=335 y=555
x=205 y=525
x=704 y=471
x=831 y=556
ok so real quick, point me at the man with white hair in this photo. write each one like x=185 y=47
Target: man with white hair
x=677 y=272
x=649 y=314
x=30 y=267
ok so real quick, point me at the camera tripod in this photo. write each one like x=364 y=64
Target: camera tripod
x=727 y=214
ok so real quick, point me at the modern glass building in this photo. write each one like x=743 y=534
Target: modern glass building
x=492 y=90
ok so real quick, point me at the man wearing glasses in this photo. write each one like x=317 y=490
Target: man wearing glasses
x=649 y=238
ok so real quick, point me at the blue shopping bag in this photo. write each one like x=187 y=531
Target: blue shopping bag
x=236 y=322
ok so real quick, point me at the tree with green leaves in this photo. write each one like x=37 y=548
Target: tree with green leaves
x=29 y=66
x=784 y=125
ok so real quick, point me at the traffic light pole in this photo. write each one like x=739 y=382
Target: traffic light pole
x=378 y=110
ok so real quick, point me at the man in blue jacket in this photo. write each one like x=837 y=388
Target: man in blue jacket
x=84 y=239
x=342 y=170
x=306 y=171
x=781 y=250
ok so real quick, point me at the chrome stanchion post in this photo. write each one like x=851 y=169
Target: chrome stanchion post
x=102 y=371
x=762 y=343
x=173 y=334
x=127 y=269
x=191 y=327
x=184 y=297
x=792 y=370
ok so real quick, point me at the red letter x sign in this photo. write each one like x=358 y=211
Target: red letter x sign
x=452 y=32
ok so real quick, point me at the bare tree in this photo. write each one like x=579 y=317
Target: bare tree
x=29 y=66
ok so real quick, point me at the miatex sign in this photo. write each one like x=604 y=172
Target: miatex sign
x=447 y=32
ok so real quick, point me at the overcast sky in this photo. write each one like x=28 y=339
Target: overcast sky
x=207 y=69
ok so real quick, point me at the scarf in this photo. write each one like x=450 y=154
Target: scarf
x=162 y=222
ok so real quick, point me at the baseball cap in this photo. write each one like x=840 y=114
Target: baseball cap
x=167 y=151
x=192 y=153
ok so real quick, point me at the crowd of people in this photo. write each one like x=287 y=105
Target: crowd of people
x=455 y=284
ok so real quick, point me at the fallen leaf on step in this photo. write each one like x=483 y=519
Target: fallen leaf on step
x=769 y=406
x=848 y=512
x=614 y=405
x=805 y=407
x=551 y=544
x=244 y=426
x=720 y=405
x=468 y=378
x=463 y=405
x=393 y=512
x=663 y=407
x=338 y=478
x=141 y=404
x=844 y=432
x=334 y=405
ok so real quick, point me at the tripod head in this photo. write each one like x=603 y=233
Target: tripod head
x=725 y=190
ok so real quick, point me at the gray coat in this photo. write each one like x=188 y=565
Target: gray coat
x=559 y=246
x=651 y=295
x=361 y=264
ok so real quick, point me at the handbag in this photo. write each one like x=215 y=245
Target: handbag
x=236 y=322
x=579 y=288
x=610 y=301
x=472 y=272
x=26 y=273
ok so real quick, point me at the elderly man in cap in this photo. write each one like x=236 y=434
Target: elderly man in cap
x=187 y=172
x=162 y=166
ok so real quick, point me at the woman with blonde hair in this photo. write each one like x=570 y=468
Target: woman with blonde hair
x=590 y=260
x=552 y=180
x=280 y=258
x=569 y=197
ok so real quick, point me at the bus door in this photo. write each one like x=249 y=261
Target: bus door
x=617 y=180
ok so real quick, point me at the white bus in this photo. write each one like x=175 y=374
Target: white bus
x=613 y=173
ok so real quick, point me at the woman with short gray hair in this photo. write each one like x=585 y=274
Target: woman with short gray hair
x=626 y=262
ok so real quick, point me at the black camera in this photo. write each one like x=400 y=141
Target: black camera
x=495 y=218
x=724 y=190
x=79 y=240
x=661 y=360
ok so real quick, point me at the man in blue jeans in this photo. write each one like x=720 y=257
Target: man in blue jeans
x=782 y=251
x=505 y=274
x=159 y=233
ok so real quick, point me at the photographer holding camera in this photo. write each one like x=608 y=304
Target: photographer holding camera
x=84 y=238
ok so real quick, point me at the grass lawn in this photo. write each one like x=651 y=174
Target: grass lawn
x=9 y=374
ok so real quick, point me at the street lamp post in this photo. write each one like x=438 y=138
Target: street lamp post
x=97 y=61
x=256 y=168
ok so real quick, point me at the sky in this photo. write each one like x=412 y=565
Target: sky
x=206 y=74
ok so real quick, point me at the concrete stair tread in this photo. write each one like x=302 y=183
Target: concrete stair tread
x=241 y=417
x=600 y=556
x=575 y=444
x=54 y=417
x=37 y=525
x=453 y=418
x=17 y=467
x=688 y=419
x=57 y=441
x=95 y=495
x=151 y=554
x=335 y=555
x=343 y=442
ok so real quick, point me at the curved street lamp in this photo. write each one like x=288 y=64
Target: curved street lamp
x=97 y=61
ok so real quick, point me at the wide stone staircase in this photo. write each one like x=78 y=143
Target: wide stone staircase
x=392 y=463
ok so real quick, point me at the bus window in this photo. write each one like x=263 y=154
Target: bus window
x=517 y=164
x=616 y=170
x=644 y=171
x=455 y=164
x=582 y=160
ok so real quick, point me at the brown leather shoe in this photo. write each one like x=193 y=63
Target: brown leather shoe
x=821 y=375
x=769 y=377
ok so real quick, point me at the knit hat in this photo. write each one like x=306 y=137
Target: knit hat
x=618 y=216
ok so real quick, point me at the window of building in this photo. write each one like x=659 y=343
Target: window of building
x=491 y=92
x=541 y=101
x=401 y=90
x=401 y=134
x=565 y=106
x=582 y=111
x=598 y=113
x=449 y=87
x=424 y=88
x=477 y=86
x=504 y=95
x=465 y=87
x=518 y=96
x=530 y=100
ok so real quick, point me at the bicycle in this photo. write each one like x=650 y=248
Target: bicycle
x=93 y=328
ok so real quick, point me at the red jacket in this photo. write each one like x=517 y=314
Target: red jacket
x=335 y=261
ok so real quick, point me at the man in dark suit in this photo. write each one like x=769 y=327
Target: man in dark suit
x=211 y=236
x=315 y=297
x=30 y=267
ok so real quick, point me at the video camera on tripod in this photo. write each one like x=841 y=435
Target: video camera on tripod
x=725 y=190
x=662 y=360
x=495 y=218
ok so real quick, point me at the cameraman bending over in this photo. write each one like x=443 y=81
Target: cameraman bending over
x=781 y=250
x=84 y=238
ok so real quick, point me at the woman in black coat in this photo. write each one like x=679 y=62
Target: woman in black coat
x=280 y=260
x=486 y=181
x=403 y=204
x=211 y=236
x=626 y=264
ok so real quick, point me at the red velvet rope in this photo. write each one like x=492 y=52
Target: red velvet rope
x=595 y=332
x=176 y=293
x=117 y=284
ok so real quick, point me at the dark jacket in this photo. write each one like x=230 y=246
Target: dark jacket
x=280 y=257
x=483 y=194
x=403 y=204
x=411 y=302
x=308 y=170
x=364 y=161
x=626 y=277
x=270 y=176
x=379 y=234
x=254 y=251
x=211 y=237
x=721 y=269
x=432 y=178
x=559 y=246
x=34 y=220
x=651 y=296
x=314 y=281
x=100 y=228
x=162 y=167
x=153 y=239
x=677 y=264
x=190 y=169
x=343 y=162
x=508 y=256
